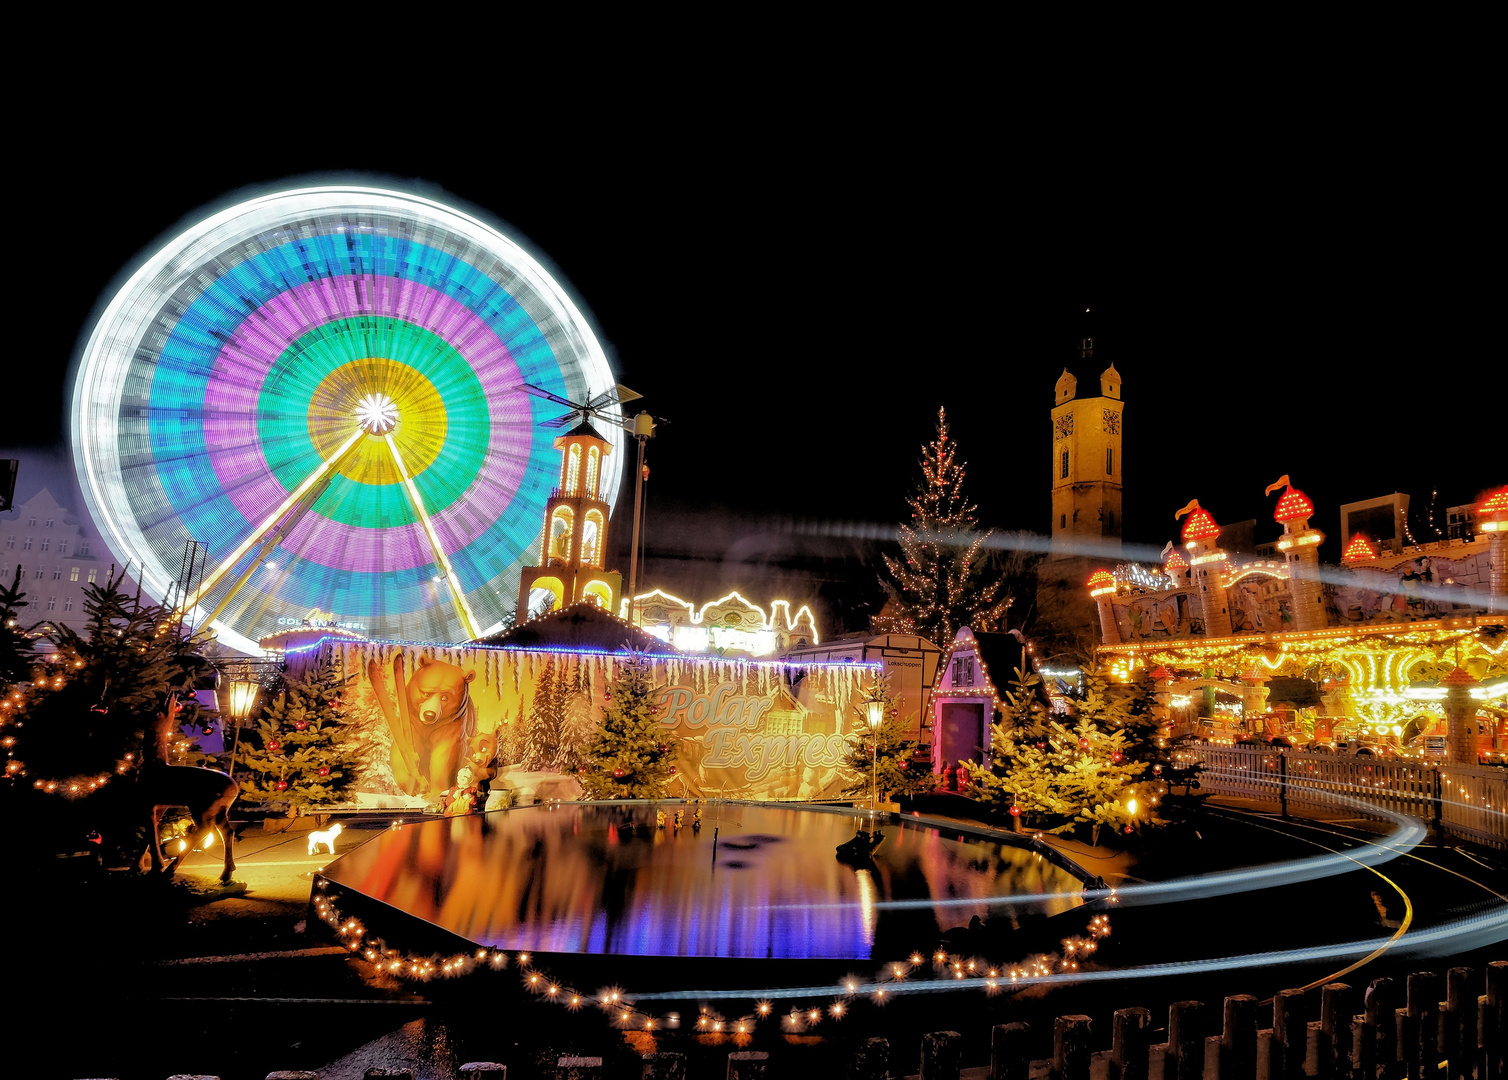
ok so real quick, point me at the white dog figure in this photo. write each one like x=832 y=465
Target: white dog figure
x=327 y=838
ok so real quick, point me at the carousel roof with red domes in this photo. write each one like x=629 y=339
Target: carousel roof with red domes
x=1200 y=525
x=1293 y=505
x=1101 y=577
x=1495 y=503
x=1358 y=549
x=1176 y=561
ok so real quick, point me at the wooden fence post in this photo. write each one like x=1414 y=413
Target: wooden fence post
x=1130 y=1043
x=942 y=1055
x=1185 y=1041
x=747 y=1065
x=1490 y=1020
x=1238 y=1039
x=1379 y=1028
x=1070 y=1048
x=1419 y=1024
x=1458 y=1023
x=871 y=1061
x=1290 y=1035
x=1009 y=1052
x=1334 y=1029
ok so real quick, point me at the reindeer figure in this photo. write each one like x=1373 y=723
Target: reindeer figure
x=206 y=793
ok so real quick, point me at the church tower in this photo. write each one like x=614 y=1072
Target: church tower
x=1086 y=464
x=575 y=533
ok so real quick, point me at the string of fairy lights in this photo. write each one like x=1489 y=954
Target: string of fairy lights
x=947 y=968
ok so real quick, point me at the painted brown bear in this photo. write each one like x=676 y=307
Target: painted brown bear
x=436 y=717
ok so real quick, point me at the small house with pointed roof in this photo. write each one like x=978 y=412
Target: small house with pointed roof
x=976 y=673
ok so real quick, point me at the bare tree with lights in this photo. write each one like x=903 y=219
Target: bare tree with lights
x=941 y=580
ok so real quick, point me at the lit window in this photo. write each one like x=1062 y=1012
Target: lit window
x=93 y=575
x=73 y=575
x=593 y=456
x=573 y=468
x=963 y=671
x=1063 y=468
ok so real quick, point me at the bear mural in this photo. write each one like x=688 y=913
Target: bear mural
x=433 y=724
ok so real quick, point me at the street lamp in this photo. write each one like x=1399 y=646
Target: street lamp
x=243 y=695
x=874 y=712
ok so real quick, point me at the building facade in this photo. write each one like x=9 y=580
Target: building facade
x=59 y=555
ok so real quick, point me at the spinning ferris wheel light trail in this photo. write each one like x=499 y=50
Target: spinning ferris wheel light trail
x=226 y=375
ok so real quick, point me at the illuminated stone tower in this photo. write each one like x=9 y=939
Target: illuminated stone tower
x=575 y=533
x=1086 y=465
x=1300 y=546
x=1207 y=562
x=1492 y=519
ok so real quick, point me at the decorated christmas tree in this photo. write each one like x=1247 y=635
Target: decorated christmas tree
x=1127 y=708
x=940 y=582
x=298 y=752
x=16 y=654
x=630 y=756
x=894 y=771
x=544 y=721
x=1056 y=777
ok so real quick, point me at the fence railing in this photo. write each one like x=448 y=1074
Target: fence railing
x=1471 y=803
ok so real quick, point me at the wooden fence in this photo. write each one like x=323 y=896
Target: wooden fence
x=1469 y=803
x=1448 y=1028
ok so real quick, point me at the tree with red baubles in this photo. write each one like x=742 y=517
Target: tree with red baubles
x=941 y=580
x=895 y=772
x=629 y=757
x=296 y=753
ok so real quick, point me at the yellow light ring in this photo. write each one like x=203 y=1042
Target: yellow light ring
x=422 y=420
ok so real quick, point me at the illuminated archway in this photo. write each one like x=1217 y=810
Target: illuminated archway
x=600 y=592
x=591 y=539
x=550 y=587
x=572 y=469
x=562 y=524
x=593 y=460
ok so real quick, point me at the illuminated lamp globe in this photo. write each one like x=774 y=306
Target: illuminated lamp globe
x=243 y=694
x=874 y=712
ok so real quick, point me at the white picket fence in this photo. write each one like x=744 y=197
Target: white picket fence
x=1471 y=803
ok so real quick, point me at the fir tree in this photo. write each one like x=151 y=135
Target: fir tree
x=542 y=728
x=939 y=580
x=91 y=708
x=1060 y=777
x=298 y=752
x=895 y=772
x=630 y=756
x=16 y=653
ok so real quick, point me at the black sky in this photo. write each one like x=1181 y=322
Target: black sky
x=799 y=290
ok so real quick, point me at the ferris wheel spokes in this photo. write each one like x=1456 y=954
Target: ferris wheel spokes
x=457 y=597
x=297 y=495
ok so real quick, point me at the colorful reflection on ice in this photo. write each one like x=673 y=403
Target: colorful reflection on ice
x=594 y=878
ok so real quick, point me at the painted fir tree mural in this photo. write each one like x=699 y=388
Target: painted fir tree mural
x=895 y=773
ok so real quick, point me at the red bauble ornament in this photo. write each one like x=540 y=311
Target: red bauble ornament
x=672 y=770
x=282 y=785
x=324 y=770
x=895 y=712
x=207 y=729
x=1116 y=757
x=1156 y=770
x=1015 y=811
x=273 y=746
x=299 y=725
x=903 y=763
x=1128 y=828
x=1041 y=746
x=1083 y=744
x=617 y=772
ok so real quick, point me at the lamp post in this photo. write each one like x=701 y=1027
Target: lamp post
x=243 y=695
x=874 y=712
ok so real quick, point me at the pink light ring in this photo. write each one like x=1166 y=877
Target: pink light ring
x=266 y=334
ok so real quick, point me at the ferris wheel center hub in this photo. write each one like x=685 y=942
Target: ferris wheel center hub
x=377 y=414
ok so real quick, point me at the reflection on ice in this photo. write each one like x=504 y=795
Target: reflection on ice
x=755 y=881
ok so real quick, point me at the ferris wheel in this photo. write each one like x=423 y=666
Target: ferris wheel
x=325 y=386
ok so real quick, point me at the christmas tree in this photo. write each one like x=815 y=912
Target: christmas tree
x=16 y=654
x=1059 y=777
x=939 y=580
x=93 y=701
x=297 y=753
x=630 y=756
x=542 y=727
x=894 y=772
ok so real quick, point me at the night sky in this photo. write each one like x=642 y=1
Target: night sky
x=798 y=296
